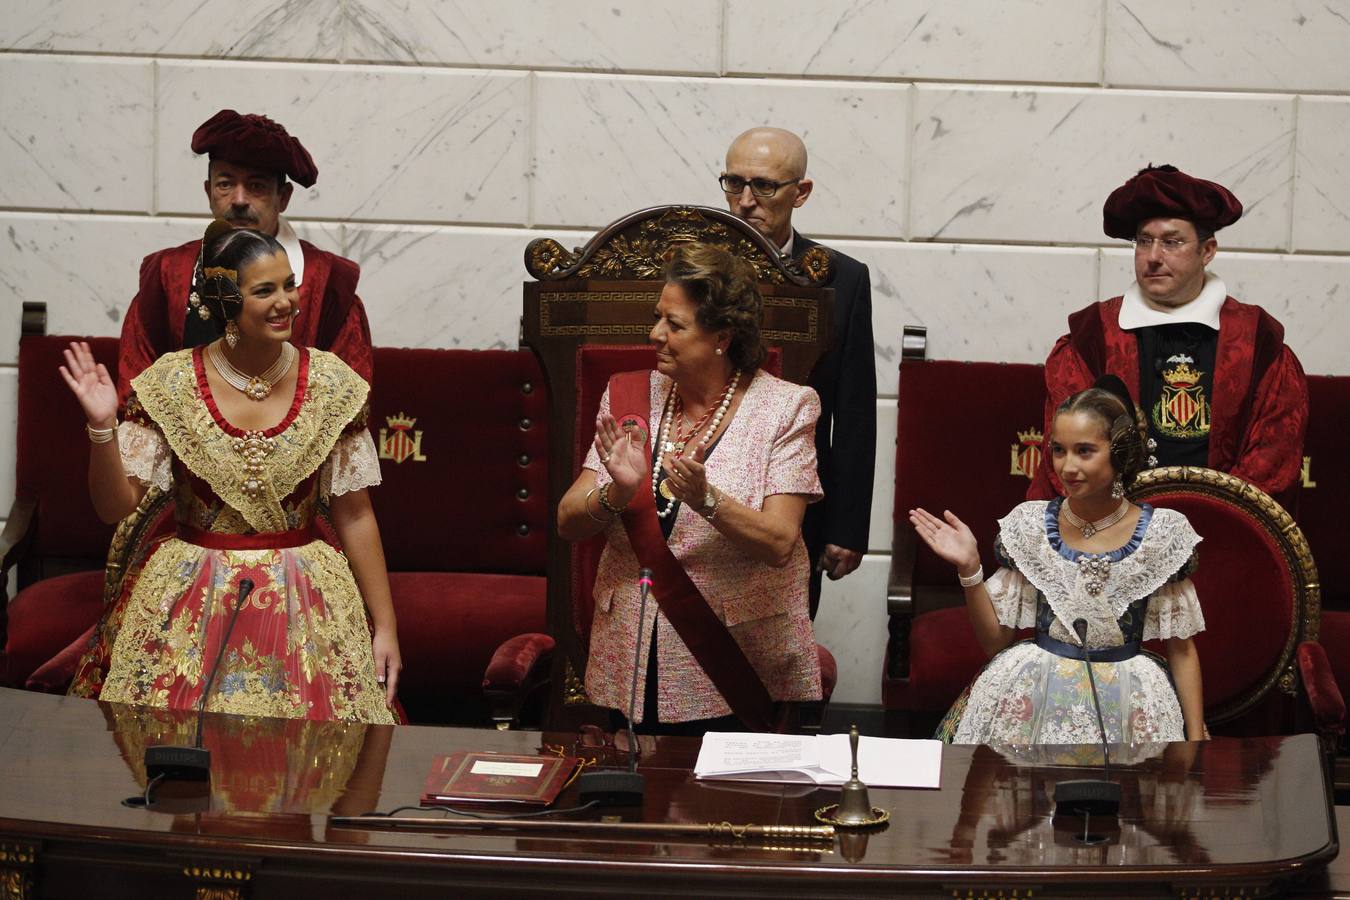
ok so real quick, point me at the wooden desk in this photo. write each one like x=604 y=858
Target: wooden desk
x=1235 y=815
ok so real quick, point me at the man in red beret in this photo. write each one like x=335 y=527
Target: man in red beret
x=251 y=159
x=1212 y=376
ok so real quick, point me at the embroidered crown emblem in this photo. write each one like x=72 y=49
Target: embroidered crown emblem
x=401 y=421
x=1030 y=436
x=1026 y=453
x=400 y=442
x=1181 y=375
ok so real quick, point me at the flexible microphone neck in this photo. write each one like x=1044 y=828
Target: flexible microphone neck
x=245 y=588
x=1080 y=629
x=644 y=587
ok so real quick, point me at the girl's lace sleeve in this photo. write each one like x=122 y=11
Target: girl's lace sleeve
x=351 y=466
x=145 y=455
x=1014 y=598
x=1174 y=612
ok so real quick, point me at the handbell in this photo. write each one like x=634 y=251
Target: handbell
x=855 y=808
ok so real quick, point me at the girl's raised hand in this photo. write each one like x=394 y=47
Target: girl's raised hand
x=949 y=538
x=91 y=384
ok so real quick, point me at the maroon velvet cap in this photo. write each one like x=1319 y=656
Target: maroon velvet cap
x=256 y=142
x=1167 y=192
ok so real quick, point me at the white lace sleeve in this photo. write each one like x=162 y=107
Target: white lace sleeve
x=145 y=455
x=1174 y=612
x=1014 y=598
x=352 y=465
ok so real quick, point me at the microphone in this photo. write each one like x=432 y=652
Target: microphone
x=619 y=788
x=194 y=763
x=1090 y=796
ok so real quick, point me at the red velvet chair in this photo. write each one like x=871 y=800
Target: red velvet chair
x=603 y=294
x=52 y=539
x=1263 y=670
x=464 y=516
x=969 y=439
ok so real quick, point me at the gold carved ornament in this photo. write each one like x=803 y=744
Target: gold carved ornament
x=17 y=862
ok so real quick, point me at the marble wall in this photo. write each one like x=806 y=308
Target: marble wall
x=960 y=148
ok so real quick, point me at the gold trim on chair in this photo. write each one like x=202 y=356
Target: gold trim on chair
x=1306 y=605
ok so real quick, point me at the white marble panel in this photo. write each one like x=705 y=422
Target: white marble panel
x=444 y=287
x=9 y=421
x=604 y=35
x=851 y=623
x=979 y=302
x=879 y=533
x=1310 y=295
x=1015 y=40
x=1322 y=183
x=608 y=145
x=241 y=28
x=1274 y=45
x=78 y=133
x=86 y=268
x=390 y=143
x=1036 y=164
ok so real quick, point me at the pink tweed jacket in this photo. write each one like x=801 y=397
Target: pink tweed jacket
x=768 y=448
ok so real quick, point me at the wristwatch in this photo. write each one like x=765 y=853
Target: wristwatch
x=710 y=501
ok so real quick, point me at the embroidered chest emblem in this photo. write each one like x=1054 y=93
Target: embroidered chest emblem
x=1182 y=411
x=1026 y=453
x=400 y=441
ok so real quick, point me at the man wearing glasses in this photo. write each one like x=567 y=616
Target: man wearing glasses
x=1212 y=376
x=764 y=181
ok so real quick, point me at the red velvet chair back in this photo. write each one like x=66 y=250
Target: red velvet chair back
x=453 y=505
x=596 y=363
x=969 y=441
x=52 y=459
x=1256 y=582
x=1325 y=493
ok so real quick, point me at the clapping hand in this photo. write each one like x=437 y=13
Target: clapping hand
x=620 y=454
x=949 y=538
x=687 y=477
x=91 y=384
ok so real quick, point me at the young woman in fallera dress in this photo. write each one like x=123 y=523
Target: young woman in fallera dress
x=248 y=433
x=1091 y=555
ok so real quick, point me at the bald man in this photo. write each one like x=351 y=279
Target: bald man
x=765 y=180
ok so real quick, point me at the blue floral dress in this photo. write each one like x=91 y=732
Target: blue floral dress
x=1037 y=691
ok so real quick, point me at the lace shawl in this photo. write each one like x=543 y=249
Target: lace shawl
x=1166 y=547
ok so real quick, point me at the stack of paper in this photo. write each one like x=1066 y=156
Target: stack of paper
x=823 y=759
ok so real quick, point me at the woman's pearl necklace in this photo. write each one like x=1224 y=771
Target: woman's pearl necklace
x=1090 y=528
x=664 y=445
x=254 y=387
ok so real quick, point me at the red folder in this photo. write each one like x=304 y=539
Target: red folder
x=482 y=777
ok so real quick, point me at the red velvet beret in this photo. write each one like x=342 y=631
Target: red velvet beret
x=1167 y=192
x=256 y=142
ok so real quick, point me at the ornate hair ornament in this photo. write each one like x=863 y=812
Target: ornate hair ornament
x=221 y=284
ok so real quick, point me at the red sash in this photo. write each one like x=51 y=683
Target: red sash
x=717 y=652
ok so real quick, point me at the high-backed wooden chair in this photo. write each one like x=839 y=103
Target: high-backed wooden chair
x=968 y=440
x=601 y=296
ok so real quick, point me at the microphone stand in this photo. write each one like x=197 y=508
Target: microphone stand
x=194 y=763
x=1090 y=796
x=616 y=787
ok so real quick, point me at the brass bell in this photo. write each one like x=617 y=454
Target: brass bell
x=854 y=806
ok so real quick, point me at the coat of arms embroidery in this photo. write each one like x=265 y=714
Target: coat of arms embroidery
x=399 y=441
x=1182 y=411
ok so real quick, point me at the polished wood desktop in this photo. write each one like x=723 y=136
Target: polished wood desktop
x=1242 y=816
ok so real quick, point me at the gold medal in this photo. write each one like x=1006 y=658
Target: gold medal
x=665 y=490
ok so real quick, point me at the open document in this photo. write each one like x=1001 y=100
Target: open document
x=822 y=759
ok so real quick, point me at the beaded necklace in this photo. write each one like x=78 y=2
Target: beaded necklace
x=665 y=445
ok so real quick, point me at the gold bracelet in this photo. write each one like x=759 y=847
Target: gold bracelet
x=606 y=505
x=100 y=435
x=587 y=504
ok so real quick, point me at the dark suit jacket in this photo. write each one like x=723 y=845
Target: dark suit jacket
x=846 y=434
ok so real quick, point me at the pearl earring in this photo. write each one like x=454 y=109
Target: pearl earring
x=719 y=351
x=232 y=333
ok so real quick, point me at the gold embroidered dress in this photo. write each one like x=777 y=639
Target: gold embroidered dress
x=245 y=505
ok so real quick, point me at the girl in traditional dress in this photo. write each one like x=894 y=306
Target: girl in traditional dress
x=249 y=433
x=1089 y=557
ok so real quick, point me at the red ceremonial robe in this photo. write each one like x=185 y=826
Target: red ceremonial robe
x=1260 y=403
x=331 y=315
